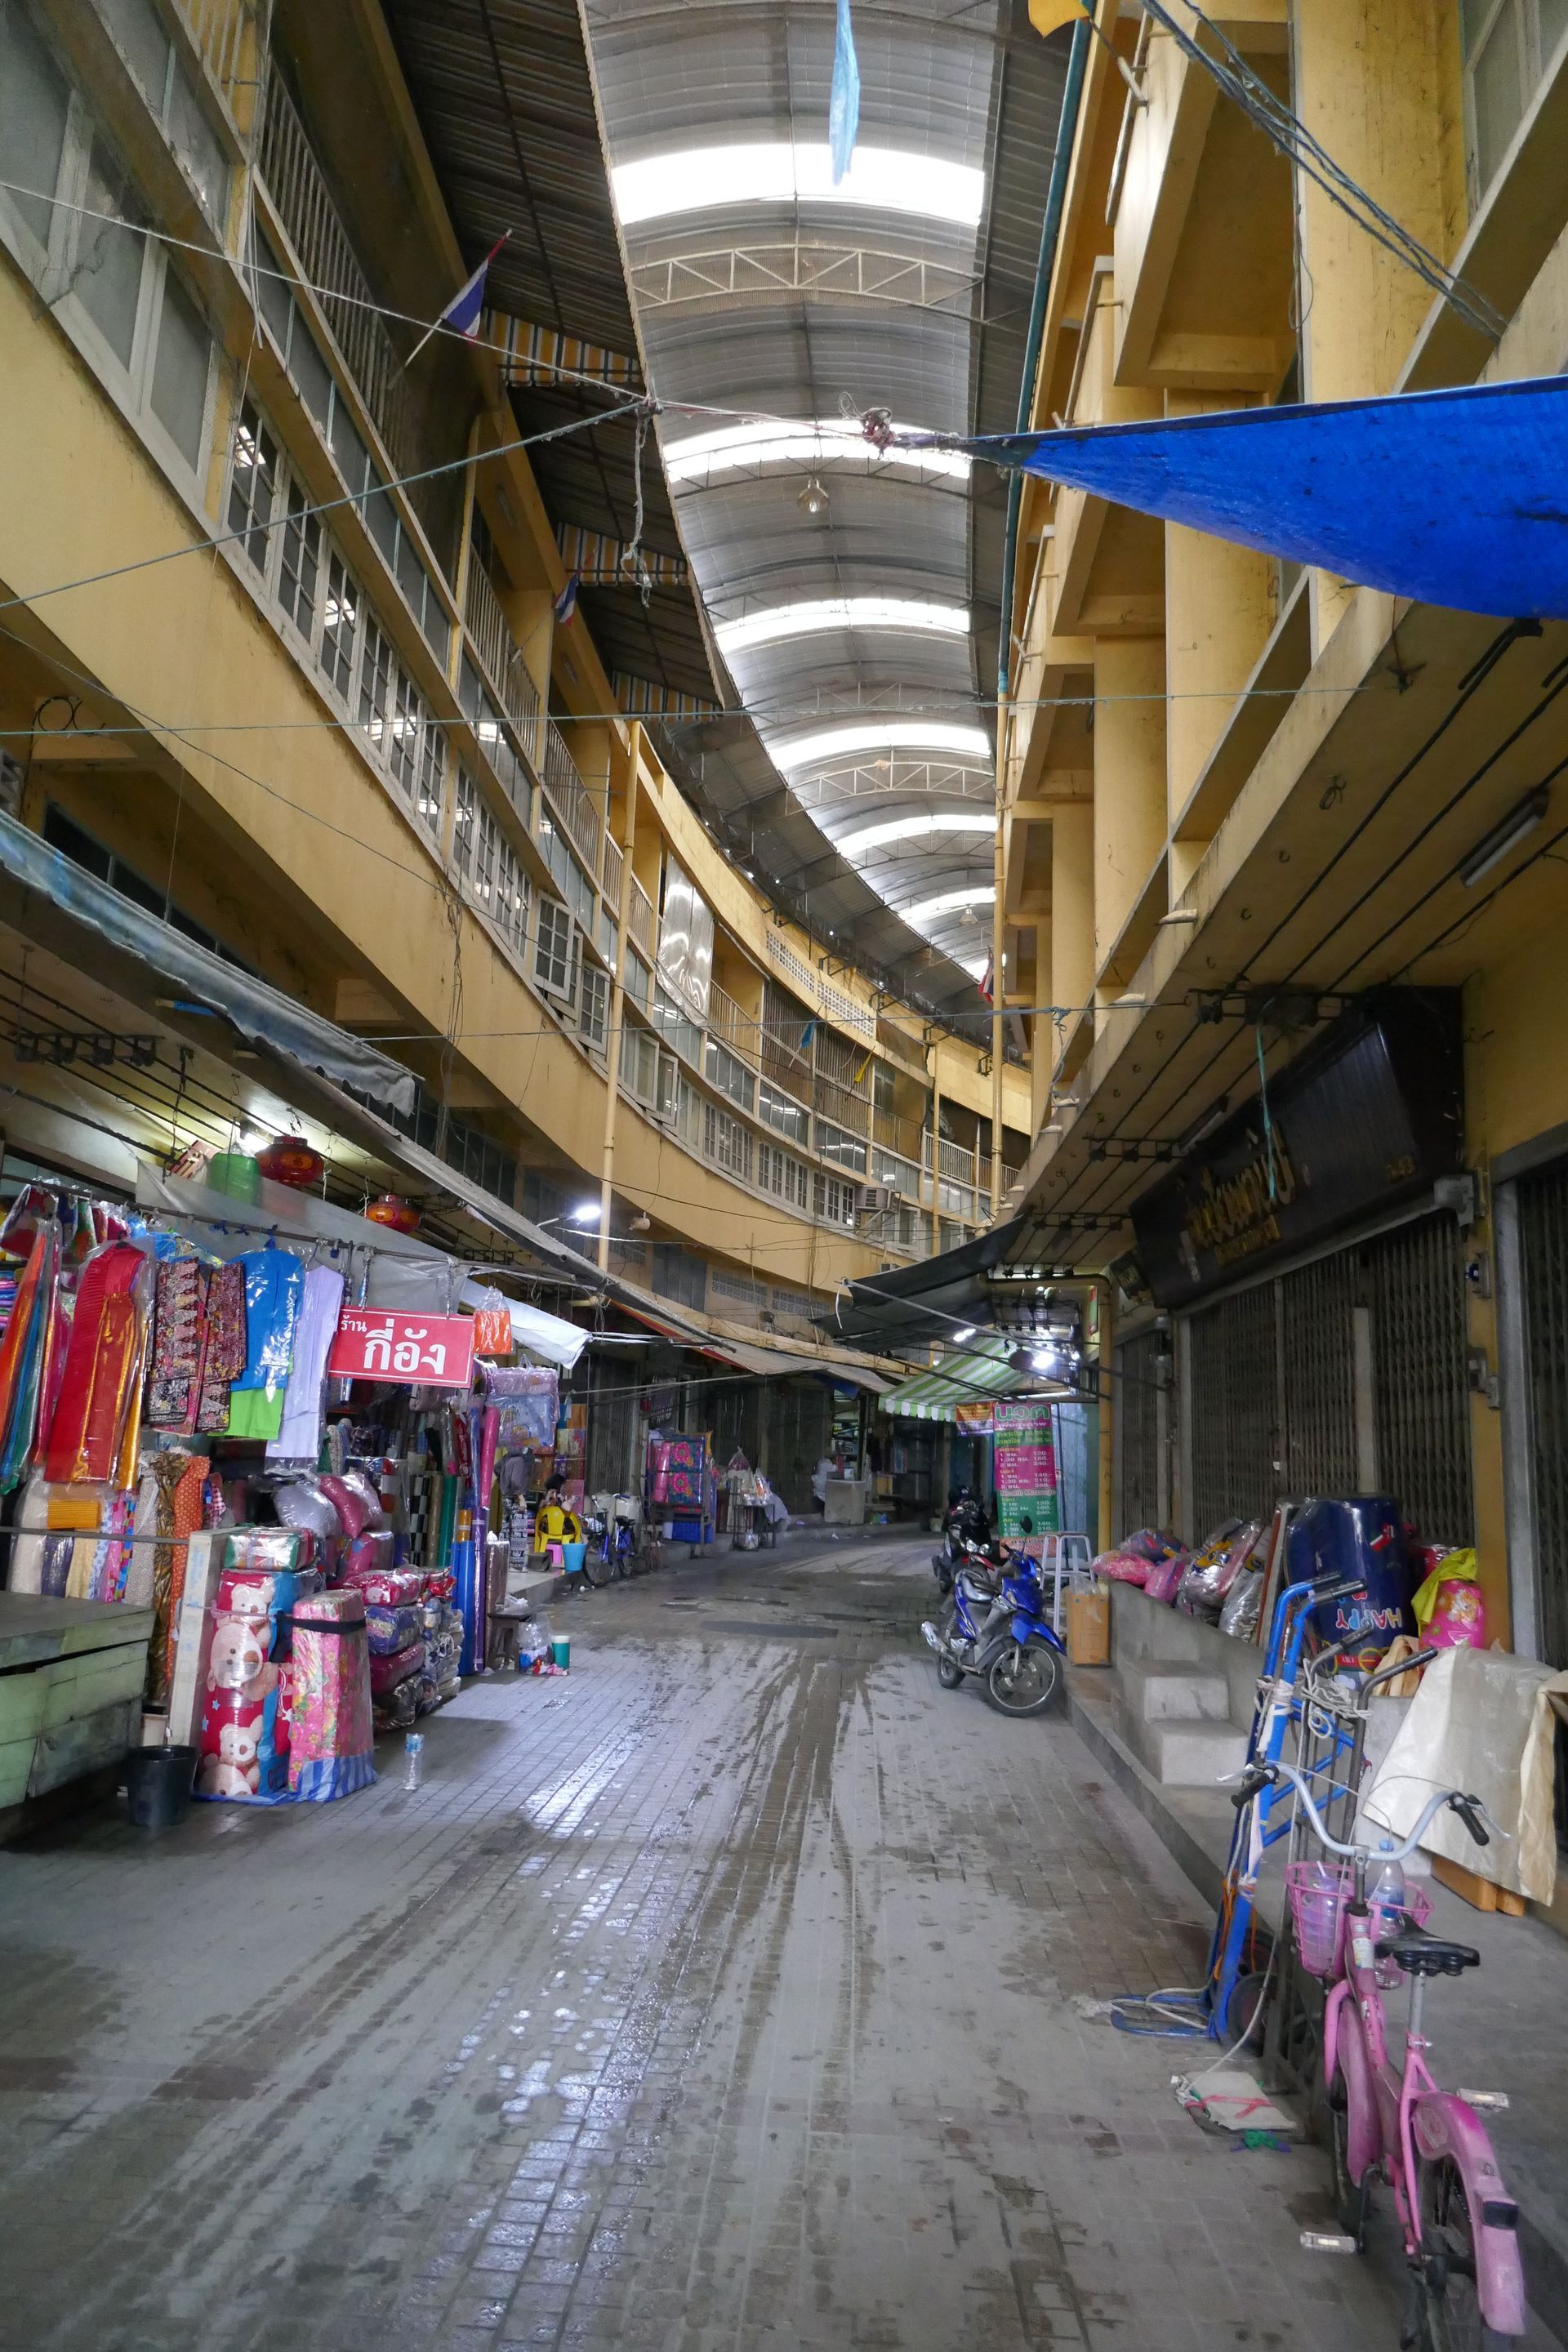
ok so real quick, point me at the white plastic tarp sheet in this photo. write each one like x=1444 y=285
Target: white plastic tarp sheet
x=1483 y=1721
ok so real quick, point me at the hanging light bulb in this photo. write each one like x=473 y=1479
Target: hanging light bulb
x=812 y=500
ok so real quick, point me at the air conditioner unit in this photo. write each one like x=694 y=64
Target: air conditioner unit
x=873 y=1199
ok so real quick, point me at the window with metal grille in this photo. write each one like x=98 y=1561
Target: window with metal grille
x=487 y=844
x=512 y=898
x=464 y=811
x=1415 y=1288
x=782 y=1174
x=1317 y=1357
x=299 y=564
x=593 y=1016
x=832 y=1201
x=377 y=681
x=777 y=1111
x=726 y=1142
x=340 y=626
x=1234 y=1411
x=1543 y=1250
x=554 y=951
x=678 y=1276
x=847 y=1150
x=252 y=483
x=728 y=1074
x=407 y=727
x=1135 y=1458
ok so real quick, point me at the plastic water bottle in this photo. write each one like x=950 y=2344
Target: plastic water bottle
x=414 y=1748
x=1385 y=1901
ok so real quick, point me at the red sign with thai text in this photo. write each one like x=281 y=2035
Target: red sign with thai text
x=418 y=1350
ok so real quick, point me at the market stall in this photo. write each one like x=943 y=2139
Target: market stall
x=288 y=1452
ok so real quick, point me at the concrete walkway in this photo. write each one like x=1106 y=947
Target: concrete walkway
x=721 y=1993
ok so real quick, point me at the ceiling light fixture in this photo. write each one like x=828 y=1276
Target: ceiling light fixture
x=912 y=735
x=814 y=616
x=1494 y=847
x=967 y=1333
x=911 y=828
x=776 y=172
x=812 y=500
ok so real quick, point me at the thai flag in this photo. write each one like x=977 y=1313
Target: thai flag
x=566 y=603
x=463 y=312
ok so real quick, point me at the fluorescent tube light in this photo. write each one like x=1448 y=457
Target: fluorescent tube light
x=1494 y=847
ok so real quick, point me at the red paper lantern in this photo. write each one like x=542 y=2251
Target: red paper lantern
x=392 y=1209
x=290 y=1160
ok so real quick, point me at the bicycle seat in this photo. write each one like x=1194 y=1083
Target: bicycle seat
x=1427 y=1956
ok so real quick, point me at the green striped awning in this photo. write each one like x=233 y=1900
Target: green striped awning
x=973 y=1373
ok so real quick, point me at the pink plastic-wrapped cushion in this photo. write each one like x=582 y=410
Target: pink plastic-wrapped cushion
x=386 y=1673
x=1163 y=1583
x=349 y=1503
x=1122 y=1567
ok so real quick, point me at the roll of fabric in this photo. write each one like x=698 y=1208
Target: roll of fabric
x=331 y=1736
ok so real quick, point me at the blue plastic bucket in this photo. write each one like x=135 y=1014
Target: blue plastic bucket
x=574 y=1556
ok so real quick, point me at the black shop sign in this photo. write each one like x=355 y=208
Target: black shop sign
x=1366 y=1119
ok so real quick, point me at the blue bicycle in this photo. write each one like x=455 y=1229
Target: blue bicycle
x=999 y=1630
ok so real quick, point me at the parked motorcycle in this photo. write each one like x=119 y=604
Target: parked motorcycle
x=965 y=1530
x=999 y=1629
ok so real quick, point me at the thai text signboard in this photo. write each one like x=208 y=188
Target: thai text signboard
x=416 y=1350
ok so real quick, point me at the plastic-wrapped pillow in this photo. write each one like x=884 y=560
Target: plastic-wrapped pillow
x=1243 y=1606
x=305 y=1504
x=1122 y=1567
x=1163 y=1581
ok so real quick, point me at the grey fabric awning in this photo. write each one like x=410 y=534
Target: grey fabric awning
x=258 y=1011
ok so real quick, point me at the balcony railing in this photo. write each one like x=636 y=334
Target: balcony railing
x=895 y=1134
x=640 y=921
x=491 y=638
x=838 y=1103
x=571 y=795
x=295 y=183
x=224 y=31
x=610 y=873
x=736 y=1029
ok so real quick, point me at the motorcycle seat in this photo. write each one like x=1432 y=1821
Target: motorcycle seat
x=1427 y=1956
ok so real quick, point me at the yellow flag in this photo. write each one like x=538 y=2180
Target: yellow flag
x=1050 y=15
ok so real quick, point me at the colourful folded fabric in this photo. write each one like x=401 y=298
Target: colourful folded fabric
x=332 y=1739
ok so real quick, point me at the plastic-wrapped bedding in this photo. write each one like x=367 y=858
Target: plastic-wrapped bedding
x=392 y=1629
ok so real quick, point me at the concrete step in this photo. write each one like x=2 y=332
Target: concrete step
x=1163 y=1693
x=1192 y=1754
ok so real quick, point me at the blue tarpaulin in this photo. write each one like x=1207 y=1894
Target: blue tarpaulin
x=1455 y=497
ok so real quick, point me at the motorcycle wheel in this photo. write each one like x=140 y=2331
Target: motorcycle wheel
x=1024 y=1678
x=948 y=1673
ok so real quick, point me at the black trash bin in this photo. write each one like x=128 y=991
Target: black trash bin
x=158 y=1782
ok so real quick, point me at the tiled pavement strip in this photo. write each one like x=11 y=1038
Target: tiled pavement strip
x=718 y=1994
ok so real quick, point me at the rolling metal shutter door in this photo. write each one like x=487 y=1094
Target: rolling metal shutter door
x=1543 y=1249
x=1316 y=1306
x=1235 y=1376
x=1135 y=1459
x=1414 y=1281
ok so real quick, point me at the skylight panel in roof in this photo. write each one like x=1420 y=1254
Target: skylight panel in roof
x=949 y=901
x=733 y=448
x=911 y=828
x=814 y=617
x=879 y=179
x=935 y=736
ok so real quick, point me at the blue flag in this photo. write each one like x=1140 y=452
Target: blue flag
x=844 y=103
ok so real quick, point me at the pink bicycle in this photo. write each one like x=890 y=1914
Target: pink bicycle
x=1460 y=2226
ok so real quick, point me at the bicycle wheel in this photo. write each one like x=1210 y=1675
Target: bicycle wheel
x=598 y=1570
x=1450 y=2311
x=1349 y=2199
x=1243 y=2019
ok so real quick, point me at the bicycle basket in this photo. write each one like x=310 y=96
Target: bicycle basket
x=1319 y=1893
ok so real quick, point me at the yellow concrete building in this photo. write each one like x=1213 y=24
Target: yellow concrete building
x=281 y=667
x=1242 y=803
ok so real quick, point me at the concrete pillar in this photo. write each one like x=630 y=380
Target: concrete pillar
x=1129 y=778
x=1218 y=612
x=1042 y=1031
x=1373 y=79
x=1072 y=906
